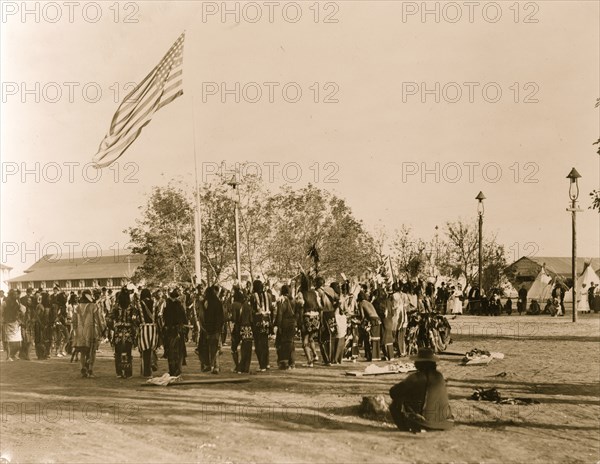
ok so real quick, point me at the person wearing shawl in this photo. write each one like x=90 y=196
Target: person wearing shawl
x=12 y=314
x=285 y=329
x=421 y=401
x=148 y=335
x=175 y=326
x=261 y=317
x=88 y=326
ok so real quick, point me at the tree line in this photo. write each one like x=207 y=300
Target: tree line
x=276 y=230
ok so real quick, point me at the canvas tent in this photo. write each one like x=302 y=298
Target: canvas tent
x=541 y=289
x=510 y=291
x=587 y=277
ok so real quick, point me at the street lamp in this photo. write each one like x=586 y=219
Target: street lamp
x=480 y=210
x=233 y=183
x=573 y=195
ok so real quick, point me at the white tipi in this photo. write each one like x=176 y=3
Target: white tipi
x=541 y=289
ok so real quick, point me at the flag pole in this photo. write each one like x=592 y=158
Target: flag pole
x=197 y=217
x=391 y=269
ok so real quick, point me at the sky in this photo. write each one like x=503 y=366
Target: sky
x=405 y=109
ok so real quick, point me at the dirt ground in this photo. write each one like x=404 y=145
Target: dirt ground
x=50 y=415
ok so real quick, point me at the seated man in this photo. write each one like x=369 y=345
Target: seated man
x=420 y=401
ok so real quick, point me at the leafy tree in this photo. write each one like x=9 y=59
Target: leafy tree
x=463 y=255
x=165 y=235
x=595 y=194
x=218 y=232
x=409 y=254
x=255 y=219
x=312 y=216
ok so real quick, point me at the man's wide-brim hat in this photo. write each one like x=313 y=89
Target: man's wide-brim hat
x=87 y=295
x=425 y=355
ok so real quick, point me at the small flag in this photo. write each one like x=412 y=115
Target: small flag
x=159 y=88
x=387 y=273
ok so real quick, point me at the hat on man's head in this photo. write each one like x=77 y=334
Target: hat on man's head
x=425 y=355
x=174 y=293
x=86 y=295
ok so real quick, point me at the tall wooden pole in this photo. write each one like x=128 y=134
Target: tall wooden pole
x=574 y=257
x=480 y=210
x=197 y=213
x=480 y=254
x=573 y=195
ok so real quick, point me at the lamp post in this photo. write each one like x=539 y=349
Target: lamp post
x=573 y=195
x=233 y=183
x=480 y=209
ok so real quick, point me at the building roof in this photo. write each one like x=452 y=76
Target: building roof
x=557 y=265
x=107 y=264
x=4 y=267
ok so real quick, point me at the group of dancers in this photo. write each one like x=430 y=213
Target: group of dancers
x=332 y=322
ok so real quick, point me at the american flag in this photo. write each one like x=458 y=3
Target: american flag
x=159 y=88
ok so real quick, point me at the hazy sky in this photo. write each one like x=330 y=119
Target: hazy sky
x=380 y=67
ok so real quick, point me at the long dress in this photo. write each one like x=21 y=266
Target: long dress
x=583 y=303
x=457 y=304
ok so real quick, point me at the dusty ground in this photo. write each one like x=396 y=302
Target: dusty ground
x=49 y=414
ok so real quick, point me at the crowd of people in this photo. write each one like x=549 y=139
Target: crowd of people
x=588 y=299
x=331 y=322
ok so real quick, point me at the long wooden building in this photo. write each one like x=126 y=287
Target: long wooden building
x=110 y=269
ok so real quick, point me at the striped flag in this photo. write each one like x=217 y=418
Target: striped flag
x=159 y=88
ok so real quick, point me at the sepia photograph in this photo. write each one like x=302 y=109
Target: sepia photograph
x=289 y=232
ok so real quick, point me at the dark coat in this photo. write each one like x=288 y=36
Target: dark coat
x=213 y=316
x=174 y=314
x=424 y=393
